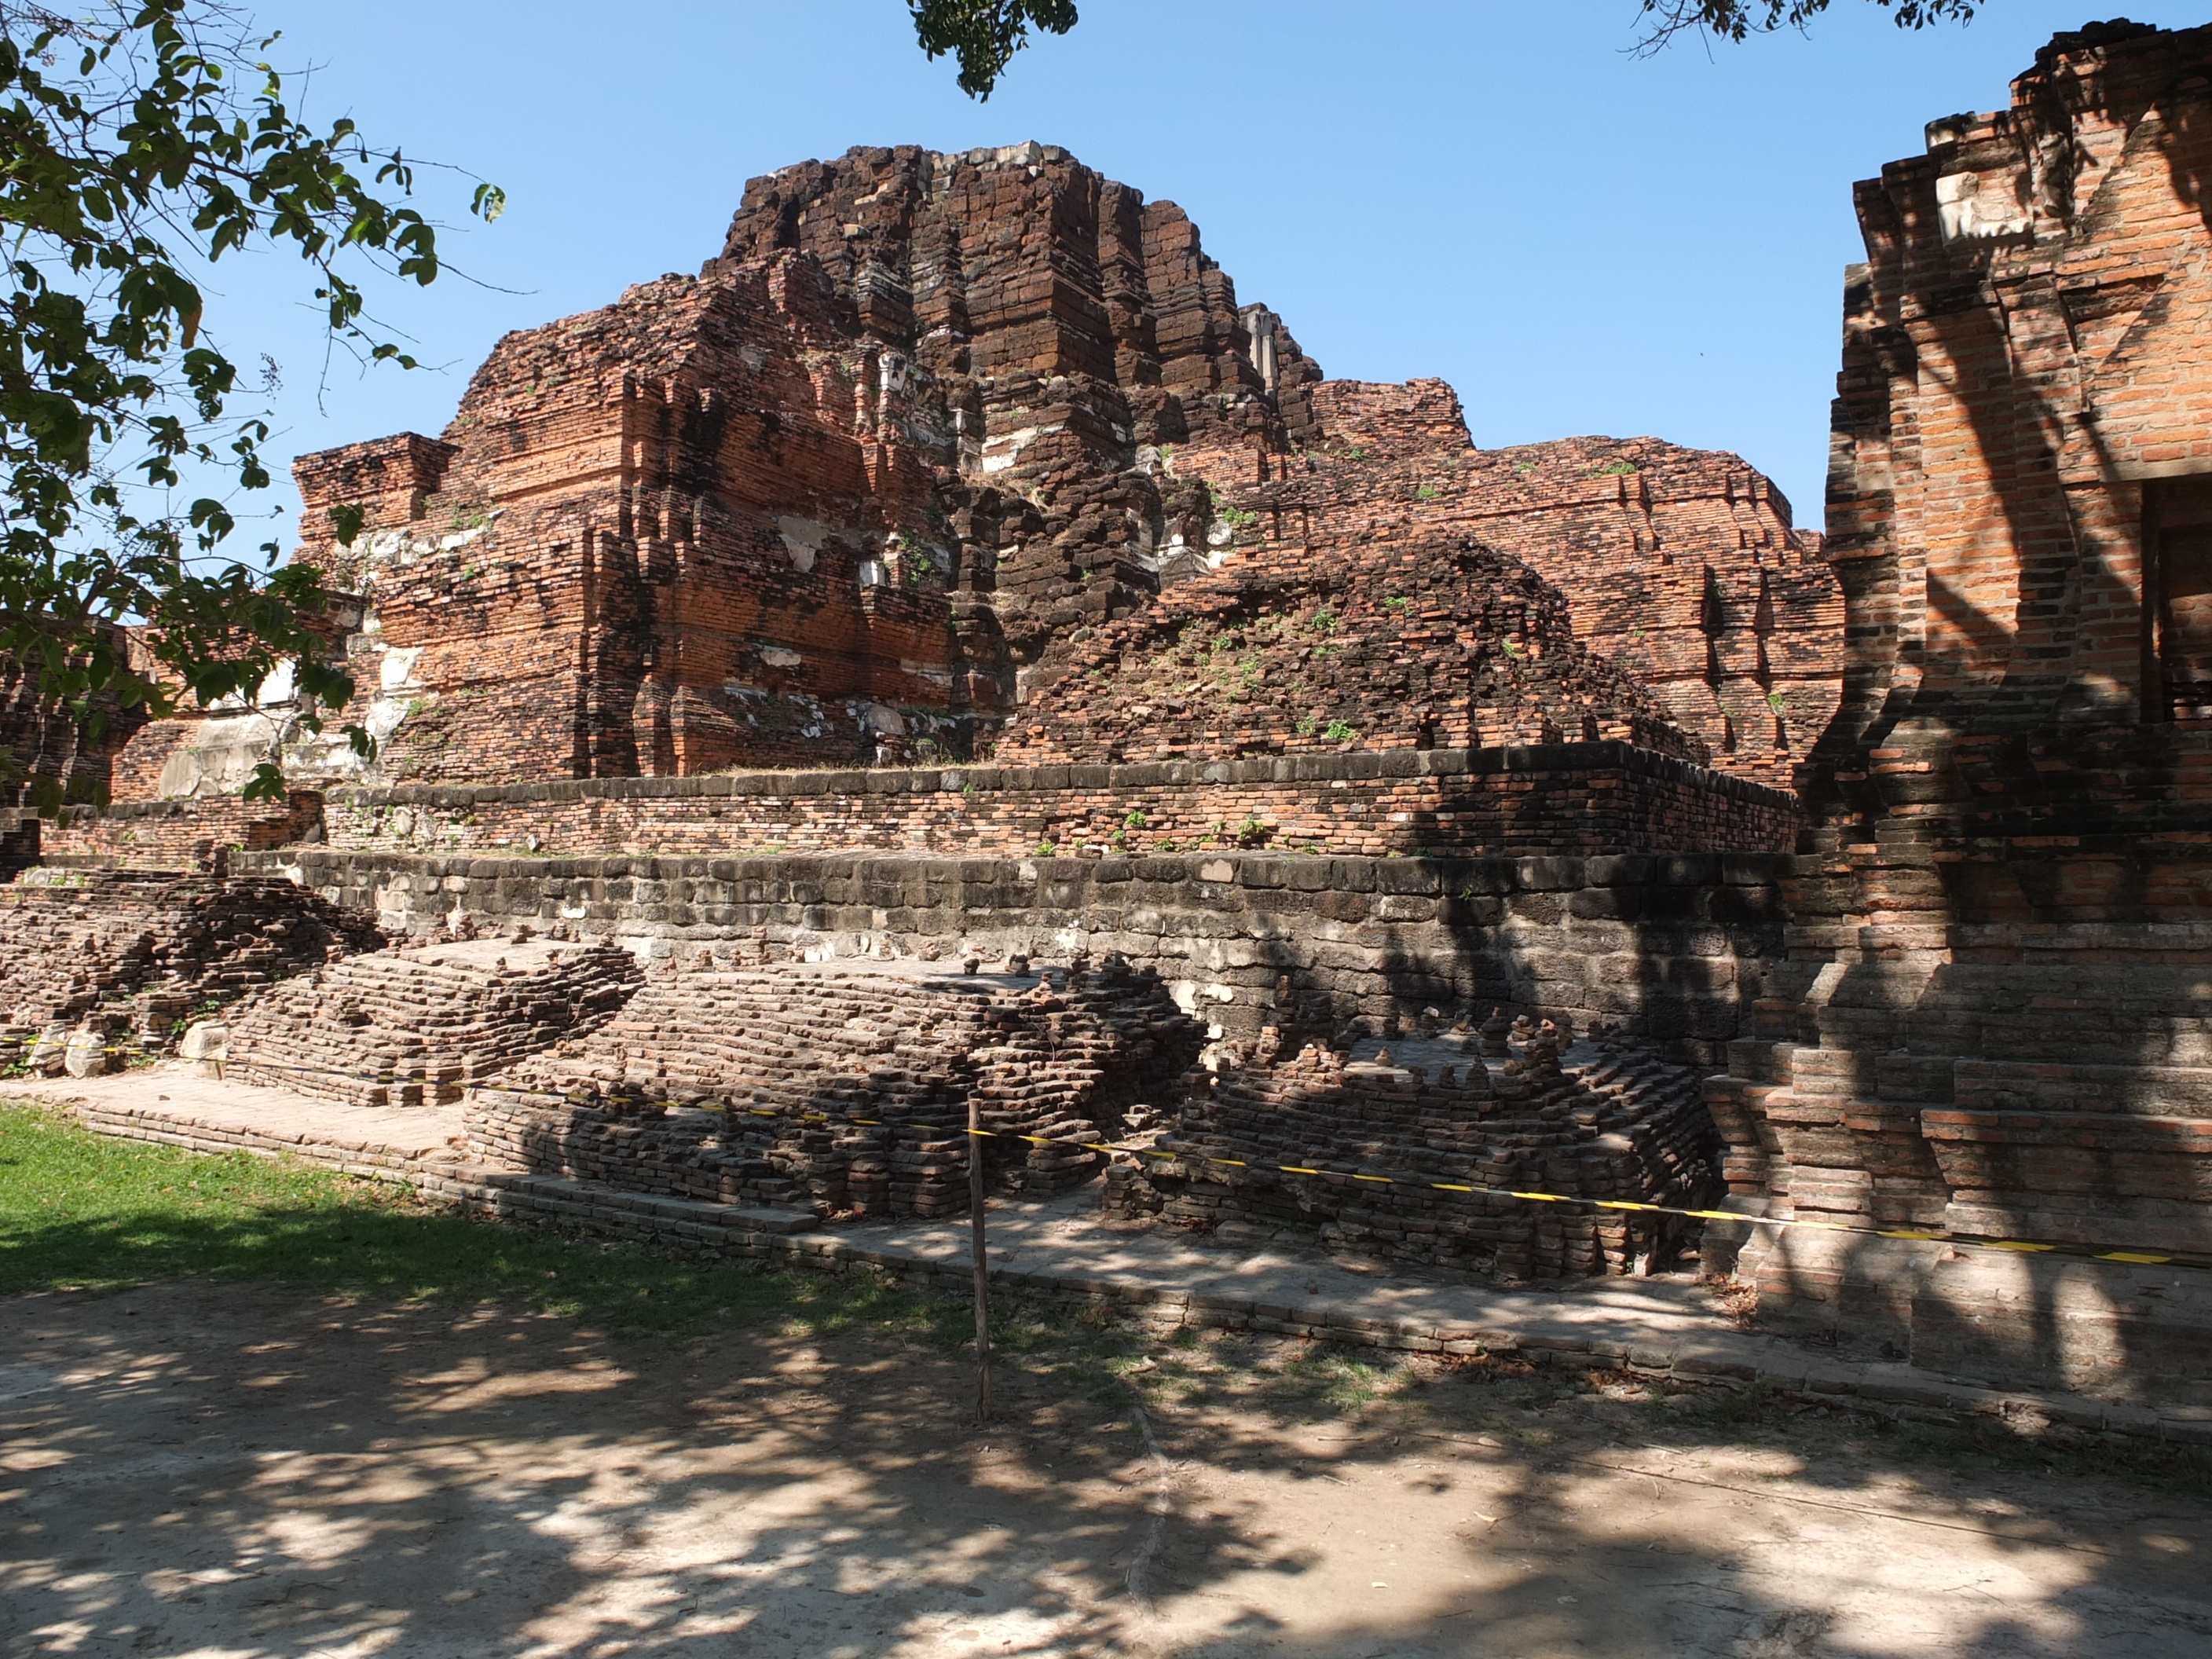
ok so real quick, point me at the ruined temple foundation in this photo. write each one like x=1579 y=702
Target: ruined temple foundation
x=956 y=574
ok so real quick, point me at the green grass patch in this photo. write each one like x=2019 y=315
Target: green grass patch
x=81 y=1212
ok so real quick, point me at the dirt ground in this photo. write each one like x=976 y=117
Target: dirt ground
x=218 y=1470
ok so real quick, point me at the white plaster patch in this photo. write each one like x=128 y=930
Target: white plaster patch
x=802 y=539
x=1973 y=206
x=397 y=667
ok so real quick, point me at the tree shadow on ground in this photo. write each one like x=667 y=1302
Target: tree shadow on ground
x=257 y=1471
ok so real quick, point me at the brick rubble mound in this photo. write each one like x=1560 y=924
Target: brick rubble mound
x=417 y=1025
x=1423 y=645
x=664 y=1097
x=126 y=960
x=853 y=492
x=1609 y=1121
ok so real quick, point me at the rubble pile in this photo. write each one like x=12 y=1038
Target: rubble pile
x=1423 y=645
x=107 y=964
x=1598 y=1119
x=416 y=1026
x=738 y=1082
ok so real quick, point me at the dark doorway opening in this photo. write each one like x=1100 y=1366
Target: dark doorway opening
x=2180 y=534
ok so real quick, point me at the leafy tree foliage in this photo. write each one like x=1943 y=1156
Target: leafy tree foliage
x=1738 y=19
x=983 y=35
x=140 y=143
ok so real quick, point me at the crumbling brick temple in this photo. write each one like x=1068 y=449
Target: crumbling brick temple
x=953 y=649
x=1994 y=1016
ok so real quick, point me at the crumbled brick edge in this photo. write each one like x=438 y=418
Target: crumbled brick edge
x=785 y=1240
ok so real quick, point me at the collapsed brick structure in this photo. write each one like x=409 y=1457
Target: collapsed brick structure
x=1610 y=1121
x=421 y=1024
x=1994 y=1015
x=111 y=964
x=869 y=486
x=736 y=1083
x=1680 y=566
x=1424 y=646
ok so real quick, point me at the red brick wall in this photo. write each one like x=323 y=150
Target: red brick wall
x=182 y=835
x=1680 y=566
x=1572 y=799
x=1992 y=1015
x=1569 y=798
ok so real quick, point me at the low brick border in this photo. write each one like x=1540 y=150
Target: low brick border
x=787 y=1240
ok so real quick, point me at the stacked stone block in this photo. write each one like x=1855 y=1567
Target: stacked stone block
x=739 y=1083
x=130 y=959
x=1611 y=1122
x=419 y=1026
x=1674 y=949
x=1563 y=800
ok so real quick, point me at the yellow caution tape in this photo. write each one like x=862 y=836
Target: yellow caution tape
x=2127 y=1256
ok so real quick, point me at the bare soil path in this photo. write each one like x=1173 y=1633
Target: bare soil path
x=218 y=1469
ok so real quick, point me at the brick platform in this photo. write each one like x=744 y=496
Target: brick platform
x=1569 y=799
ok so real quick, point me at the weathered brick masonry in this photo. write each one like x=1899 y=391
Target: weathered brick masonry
x=1682 y=567
x=96 y=963
x=914 y=456
x=1563 y=799
x=1995 y=1012
x=1613 y=1121
x=945 y=452
x=173 y=835
x=1671 y=948
x=1574 y=799
x=736 y=1079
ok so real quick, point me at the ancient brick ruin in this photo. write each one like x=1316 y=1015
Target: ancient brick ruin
x=1510 y=1106
x=955 y=569
x=948 y=458
x=1994 y=1014
x=421 y=1024
x=741 y=1082
x=97 y=966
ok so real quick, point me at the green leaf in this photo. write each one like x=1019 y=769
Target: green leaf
x=137 y=139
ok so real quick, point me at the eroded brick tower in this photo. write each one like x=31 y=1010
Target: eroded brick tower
x=1995 y=1017
x=864 y=490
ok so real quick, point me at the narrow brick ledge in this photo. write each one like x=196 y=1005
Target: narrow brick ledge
x=1609 y=755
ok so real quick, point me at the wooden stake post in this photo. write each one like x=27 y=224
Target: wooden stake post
x=982 y=1261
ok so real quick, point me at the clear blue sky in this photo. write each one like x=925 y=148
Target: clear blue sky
x=1496 y=194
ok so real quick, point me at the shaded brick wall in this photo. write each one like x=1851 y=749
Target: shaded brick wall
x=1668 y=946
x=1992 y=1016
